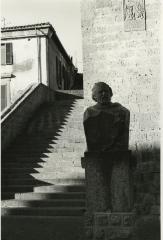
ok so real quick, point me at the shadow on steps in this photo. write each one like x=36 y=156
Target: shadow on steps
x=29 y=149
x=49 y=228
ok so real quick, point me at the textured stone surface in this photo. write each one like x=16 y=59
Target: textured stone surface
x=106 y=127
x=108 y=181
x=130 y=63
x=41 y=172
x=134 y=15
x=109 y=226
x=147 y=227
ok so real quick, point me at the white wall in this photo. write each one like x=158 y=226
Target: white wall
x=44 y=62
x=25 y=65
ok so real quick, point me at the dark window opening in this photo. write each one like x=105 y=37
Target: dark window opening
x=3 y=97
x=6 y=54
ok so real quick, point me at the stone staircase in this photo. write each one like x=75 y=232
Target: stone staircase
x=43 y=192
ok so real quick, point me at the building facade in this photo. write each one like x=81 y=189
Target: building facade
x=33 y=54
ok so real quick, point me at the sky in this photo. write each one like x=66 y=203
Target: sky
x=64 y=15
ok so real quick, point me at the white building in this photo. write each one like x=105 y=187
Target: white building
x=33 y=54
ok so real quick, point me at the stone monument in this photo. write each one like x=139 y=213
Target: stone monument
x=106 y=124
x=107 y=167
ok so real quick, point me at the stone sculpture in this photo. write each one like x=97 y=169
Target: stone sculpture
x=106 y=124
x=107 y=167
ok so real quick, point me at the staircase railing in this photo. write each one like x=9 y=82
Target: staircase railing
x=17 y=100
x=69 y=94
x=16 y=116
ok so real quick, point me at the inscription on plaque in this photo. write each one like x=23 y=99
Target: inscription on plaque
x=134 y=15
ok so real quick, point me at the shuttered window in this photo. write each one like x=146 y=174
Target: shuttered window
x=3 y=97
x=3 y=54
x=6 y=54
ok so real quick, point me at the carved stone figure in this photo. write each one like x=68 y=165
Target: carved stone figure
x=106 y=124
x=134 y=15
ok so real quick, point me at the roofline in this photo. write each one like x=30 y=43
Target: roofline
x=26 y=27
x=38 y=26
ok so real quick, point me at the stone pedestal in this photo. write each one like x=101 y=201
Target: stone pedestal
x=109 y=226
x=108 y=192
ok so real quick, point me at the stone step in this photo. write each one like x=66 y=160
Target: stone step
x=52 y=164
x=58 y=149
x=63 y=175
x=77 y=131
x=11 y=165
x=59 y=126
x=44 y=211
x=25 y=154
x=17 y=188
x=21 y=159
x=59 y=168
x=42 y=227
x=74 y=123
x=44 y=144
x=60 y=188
x=75 y=103
x=73 y=139
x=20 y=180
x=7 y=195
x=46 y=196
x=62 y=142
x=35 y=138
x=18 y=171
x=39 y=203
x=26 y=185
x=54 y=156
x=71 y=135
x=34 y=151
x=29 y=178
x=65 y=155
x=49 y=164
x=43 y=131
x=66 y=144
x=55 y=129
x=52 y=167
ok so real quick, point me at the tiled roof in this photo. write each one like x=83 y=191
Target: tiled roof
x=27 y=27
x=39 y=26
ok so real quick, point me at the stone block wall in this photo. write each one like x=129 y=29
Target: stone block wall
x=129 y=61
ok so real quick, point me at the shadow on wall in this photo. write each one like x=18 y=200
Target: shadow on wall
x=23 y=66
x=146 y=181
x=147 y=227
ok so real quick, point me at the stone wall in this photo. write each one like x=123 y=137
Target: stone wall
x=129 y=61
x=15 y=118
x=125 y=53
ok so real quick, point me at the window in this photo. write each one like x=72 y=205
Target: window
x=6 y=54
x=3 y=97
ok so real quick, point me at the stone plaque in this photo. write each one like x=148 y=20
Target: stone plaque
x=134 y=15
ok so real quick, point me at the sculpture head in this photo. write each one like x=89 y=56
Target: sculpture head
x=102 y=93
